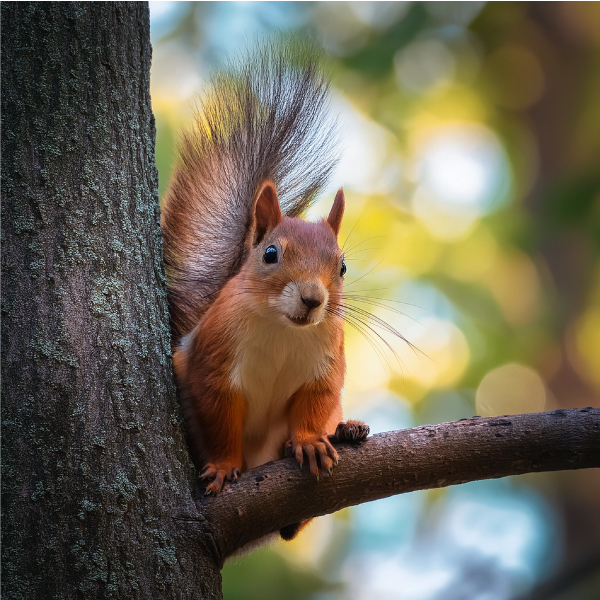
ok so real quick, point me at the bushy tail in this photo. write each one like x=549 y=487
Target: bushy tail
x=265 y=118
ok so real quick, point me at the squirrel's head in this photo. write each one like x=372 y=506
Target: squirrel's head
x=295 y=269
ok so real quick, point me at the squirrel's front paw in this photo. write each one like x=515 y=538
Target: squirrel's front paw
x=350 y=431
x=317 y=449
x=218 y=472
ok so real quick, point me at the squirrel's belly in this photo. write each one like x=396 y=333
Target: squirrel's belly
x=268 y=375
x=265 y=428
x=270 y=446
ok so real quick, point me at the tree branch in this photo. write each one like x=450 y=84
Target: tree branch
x=278 y=494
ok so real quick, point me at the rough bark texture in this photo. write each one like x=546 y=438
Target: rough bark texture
x=277 y=494
x=93 y=457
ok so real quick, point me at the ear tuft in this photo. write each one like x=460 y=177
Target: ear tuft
x=267 y=211
x=337 y=212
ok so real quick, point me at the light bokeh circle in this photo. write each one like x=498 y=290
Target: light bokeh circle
x=510 y=389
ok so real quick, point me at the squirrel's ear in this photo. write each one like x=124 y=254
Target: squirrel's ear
x=337 y=212
x=267 y=212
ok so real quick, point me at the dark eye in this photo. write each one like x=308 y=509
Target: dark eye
x=270 y=256
x=343 y=271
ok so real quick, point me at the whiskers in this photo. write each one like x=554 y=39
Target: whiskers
x=352 y=307
x=373 y=328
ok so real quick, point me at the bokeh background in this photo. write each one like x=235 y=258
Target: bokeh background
x=471 y=165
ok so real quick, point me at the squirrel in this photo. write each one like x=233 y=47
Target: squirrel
x=255 y=292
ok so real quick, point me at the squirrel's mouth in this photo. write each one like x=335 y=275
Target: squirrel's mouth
x=300 y=320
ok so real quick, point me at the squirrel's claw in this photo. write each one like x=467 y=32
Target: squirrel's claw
x=321 y=455
x=218 y=475
x=233 y=475
x=289 y=449
x=210 y=472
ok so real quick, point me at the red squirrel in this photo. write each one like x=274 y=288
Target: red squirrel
x=255 y=292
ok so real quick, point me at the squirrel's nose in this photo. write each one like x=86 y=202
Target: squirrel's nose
x=311 y=302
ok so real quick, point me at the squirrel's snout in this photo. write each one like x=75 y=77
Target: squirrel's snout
x=303 y=302
x=311 y=302
x=312 y=295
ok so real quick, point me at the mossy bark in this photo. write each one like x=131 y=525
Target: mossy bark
x=97 y=483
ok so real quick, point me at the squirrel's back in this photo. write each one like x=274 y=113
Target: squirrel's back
x=264 y=119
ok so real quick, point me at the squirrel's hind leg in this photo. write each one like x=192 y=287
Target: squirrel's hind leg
x=289 y=532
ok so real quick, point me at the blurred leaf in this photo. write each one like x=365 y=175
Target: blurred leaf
x=375 y=59
x=165 y=152
x=263 y=575
x=575 y=203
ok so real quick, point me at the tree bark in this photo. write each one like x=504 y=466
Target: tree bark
x=93 y=455
x=99 y=496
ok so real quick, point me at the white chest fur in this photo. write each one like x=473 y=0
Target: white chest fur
x=273 y=361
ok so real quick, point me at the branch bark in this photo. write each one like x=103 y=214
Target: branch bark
x=278 y=494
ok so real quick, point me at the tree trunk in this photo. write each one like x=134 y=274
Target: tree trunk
x=94 y=464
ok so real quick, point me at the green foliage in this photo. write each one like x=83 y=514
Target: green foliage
x=265 y=574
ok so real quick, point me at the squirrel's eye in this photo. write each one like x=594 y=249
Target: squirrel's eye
x=270 y=256
x=343 y=271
